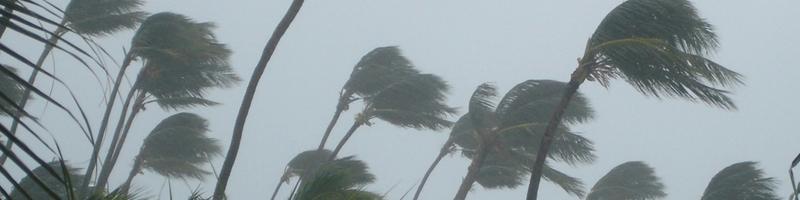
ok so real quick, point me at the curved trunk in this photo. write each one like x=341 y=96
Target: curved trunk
x=277 y=188
x=98 y=143
x=137 y=106
x=344 y=140
x=474 y=168
x=244 y=109
x=102 y=178
x=443 y=152
x=340 y=107
x=137 y=168
x=578 y=76
x=31 y=79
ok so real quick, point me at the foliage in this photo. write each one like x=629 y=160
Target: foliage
x=628 y=181
x=741 y=181
x=178 y=147
x=342 y=178
x=103 y=17
x=28 y=187
x=11 y=92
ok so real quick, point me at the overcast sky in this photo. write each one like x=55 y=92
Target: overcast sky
x=467 y=43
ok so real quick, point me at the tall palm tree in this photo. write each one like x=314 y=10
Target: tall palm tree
x=502 y=140
x=416 y=101
x=741 y=181
x=303 y=163
x=342 y=178
x=88 y=18
x=659 y=47
x=247 y=101
x=376 y=70
x=628 y=181
x=176 y=148
x=179 y=68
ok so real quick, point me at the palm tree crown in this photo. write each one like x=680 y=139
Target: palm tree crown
x=103 y=17
x=741 y=181
x=178 y=146
x=628 y=181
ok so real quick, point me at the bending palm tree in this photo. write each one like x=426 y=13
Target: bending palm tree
x=375 y=71
x=741 y=181
x=247 y=101
x=179 y=68
x=176 y=148
x=93 y=18
x=628 y=181
x=502 y=140
x=658 y=46
x=341 y=178
x=416 y=101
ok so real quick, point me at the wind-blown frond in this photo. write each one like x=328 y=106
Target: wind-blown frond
x=11 y=91
x=379 y=68
x=308 y=161
x=36 y=192
x=338 y=179
x=535 y=101
x=179 y=146
x=481 y=107
x=416 y=101
x=176 y=103
x=628 y=181
x=741 y=181
x=658 y=47
x=570 y=184
x=103 y=17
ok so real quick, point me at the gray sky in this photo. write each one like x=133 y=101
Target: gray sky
x=467 y=43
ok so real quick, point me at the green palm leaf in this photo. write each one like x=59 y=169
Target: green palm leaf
x=53 y=183
x=178 y=147
x=377 y=69
x=658 y=46
x=628 y=181
x=10 y=89
x=741 y=181
x=417 y=101
x=342 y=178
x=103 y=17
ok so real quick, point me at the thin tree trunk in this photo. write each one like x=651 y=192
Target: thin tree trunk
x=344 y=140
x=474 y=167
x=443 y=152
x=577 y=78
x=340 y=107
x=138 y=105
x=102 y=177
x=98 y=143
x=277 y=188
x=26 y=94
x=794 y=185
x=294 y=189
x=244 y=109
x=137 y=168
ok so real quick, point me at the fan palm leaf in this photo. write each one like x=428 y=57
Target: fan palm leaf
x=628 y=181
x=176 y=148
x=741 y=181
x=658 y=47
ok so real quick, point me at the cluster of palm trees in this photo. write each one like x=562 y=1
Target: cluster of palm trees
x=657 y=46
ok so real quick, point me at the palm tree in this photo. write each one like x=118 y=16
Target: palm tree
x=302 y=164
x=28 y=189
x=88 y=18
x=741 y=181
x=247 y=101
x=416 y=101
x=376 y=70
x=628 y=181
x=342 y=178
x=176 y=148
x=659 y=47
x=179 y=68
x=502 y=140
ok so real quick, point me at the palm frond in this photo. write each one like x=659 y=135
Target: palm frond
x=378 y=69
x=658 y=46
x=178 y=147
x=103 y=17
x=307 y=161
x=570 y=184
x=481 y=107
x=741 y=181
x=338 y=179
x=176 y=103
x=11 y=90
x=534 y=101
x=628 y=181
x=53 y=183
x=421 y=95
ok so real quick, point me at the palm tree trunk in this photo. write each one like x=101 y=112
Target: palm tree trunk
x=244 y=109
x=98 y=143
x=340 y=107
x=102 y=178
x=577 y=78
x=138 y=105
x=474 y=167
x=277 y=188
x=26 y=94
x=137 y=168
x=345 y=139
x=443 y=152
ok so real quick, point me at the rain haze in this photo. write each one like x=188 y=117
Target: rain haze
x=466 y=43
